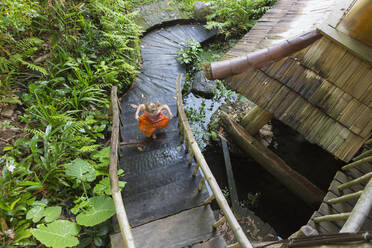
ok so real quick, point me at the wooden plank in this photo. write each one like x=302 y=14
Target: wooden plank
x=180 y=230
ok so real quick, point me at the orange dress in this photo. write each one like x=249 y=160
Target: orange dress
x=148 y=125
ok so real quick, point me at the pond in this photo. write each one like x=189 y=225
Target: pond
x=257 y=189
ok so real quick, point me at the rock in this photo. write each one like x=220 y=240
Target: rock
x=201 y=10
x=202 y=86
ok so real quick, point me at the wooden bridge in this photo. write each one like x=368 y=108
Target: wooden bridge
x=169 y=185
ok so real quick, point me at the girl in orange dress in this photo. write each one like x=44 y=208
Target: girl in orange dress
x=152 y=119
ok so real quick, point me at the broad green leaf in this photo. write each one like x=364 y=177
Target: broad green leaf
x=101 y=209
x=52 y=213
x=58 y=234
x=35 y=213
x=38 y=212
x=103 y=187
x=82 y=170
x=102 y=156
x=22 y=234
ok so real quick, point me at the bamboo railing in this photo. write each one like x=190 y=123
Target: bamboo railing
x=354 y=219
x=192 y=147
x=121 y=215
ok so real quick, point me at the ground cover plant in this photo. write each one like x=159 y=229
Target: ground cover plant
x=232 y=18
x=58 y=60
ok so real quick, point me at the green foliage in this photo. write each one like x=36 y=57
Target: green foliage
x=80 y=169
x=189 y=53
x=236 y=17
x=100 y=209
x=58 y=234
x=38 y=212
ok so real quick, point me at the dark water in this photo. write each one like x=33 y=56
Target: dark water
x=274 y=204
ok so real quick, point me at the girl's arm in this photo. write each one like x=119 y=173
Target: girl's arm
x=165 y=107
x=141 y=107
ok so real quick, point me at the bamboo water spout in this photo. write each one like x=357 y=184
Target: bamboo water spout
x=257 y=59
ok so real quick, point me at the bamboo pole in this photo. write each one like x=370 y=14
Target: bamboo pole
x=222 y=203
x=332 y=217
x=360 y=211
x=235 y=245
x=195 y=170
x=271 y=162
x=344 y=198
x=209 y=200
x=219 y=222
x=368 y=142
x=351 y=183
x=255 y=120
x=191 y=157
x=363 y=155
x=201 y=184
x=356 y=163
x=125 y=228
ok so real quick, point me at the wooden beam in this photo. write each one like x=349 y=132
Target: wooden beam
x=294 y=181
x=360 y=212
x=255 y=120
x=230 y=176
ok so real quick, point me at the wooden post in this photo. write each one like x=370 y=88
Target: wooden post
x=255 y=120
x=230 y=176
x=356 y=163
x=294 y=181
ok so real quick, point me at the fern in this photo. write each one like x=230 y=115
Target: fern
x=34 y=67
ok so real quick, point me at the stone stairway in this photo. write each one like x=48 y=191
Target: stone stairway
x=161 y=197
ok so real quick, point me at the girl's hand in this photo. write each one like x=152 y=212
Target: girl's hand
x=170 y=116
x=136 y=117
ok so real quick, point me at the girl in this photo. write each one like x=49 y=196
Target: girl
x=152 y=119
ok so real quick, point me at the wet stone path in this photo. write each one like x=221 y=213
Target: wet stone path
x=161 y=196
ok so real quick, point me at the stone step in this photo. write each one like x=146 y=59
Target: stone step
x=187 y=228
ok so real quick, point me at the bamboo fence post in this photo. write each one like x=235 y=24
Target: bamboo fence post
x=195 y=170
x=209 y=200
x=356 y=163
x=345 y=197
x=235 y=245
x=363 y=155
x=359 y=180
x=125 y=228
x=201 y=184
x=360 y=211
x=219 y=222
x=191 y=157
x=217 y=193
x=332 y=217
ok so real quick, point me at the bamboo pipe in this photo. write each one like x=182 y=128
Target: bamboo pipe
x=125 y=228
x=257 y=59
